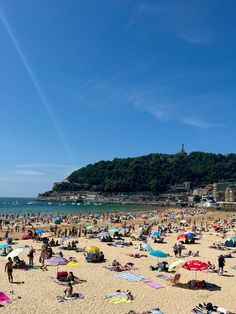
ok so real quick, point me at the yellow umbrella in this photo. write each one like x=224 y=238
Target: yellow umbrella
x=92 y=249
x=47 y=235
x=72 y=264
x=176 y=265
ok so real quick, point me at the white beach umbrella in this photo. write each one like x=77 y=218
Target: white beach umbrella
x=15 y=252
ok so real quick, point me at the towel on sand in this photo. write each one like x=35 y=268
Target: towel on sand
x=115 y=295
x=131 y=277
x=74 y=297
x=119 y=300
x=163 y=277
x=3 y=297
x=153 y=284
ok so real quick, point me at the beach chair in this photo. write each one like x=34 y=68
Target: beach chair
x=175 y=280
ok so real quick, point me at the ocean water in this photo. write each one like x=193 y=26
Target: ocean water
x=33 y=206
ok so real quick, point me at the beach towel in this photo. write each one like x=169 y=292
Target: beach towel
x=75 y=297
x=153 y=284
x=156 y=311
x=115 y=295
x=3 y=297
x=119 y=300
x=163 y=277
x=212 y=286
x=131 y=277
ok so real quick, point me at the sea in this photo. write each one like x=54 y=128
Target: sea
x=33 y=206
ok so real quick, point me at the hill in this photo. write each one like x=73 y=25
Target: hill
x=154 y=172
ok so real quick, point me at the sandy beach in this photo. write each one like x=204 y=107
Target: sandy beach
x=34 y=289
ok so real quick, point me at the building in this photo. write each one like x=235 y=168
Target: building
x=230 y=193
x=219 y=190
x=181 y=187
x=182 y=151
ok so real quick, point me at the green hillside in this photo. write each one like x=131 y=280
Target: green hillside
x=154 y=172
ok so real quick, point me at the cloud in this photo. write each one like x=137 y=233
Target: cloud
x=27 y=173
x=188 y=20
x=201 y=38
x=44 y=165
x=196 y=122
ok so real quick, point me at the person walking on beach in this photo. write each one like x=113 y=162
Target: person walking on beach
x=175 y=249
x=9 y=269
x=180 y=248
x=31 y=256
x=221 y=264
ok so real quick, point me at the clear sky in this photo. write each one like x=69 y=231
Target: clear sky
x=89 y=80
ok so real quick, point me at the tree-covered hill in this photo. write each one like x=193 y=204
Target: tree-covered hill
x=154 y=172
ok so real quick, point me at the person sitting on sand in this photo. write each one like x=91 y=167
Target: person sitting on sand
x=115 y=263
x=69 y=291
x=60 y=254
x=129 y=295
x=211 y=266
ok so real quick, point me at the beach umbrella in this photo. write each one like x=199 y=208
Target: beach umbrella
x=195 y=265
x=233 y=238
x=15 y=252
x=190 y=235
x=156 y=233
x=47 y=235
x=92 y=249
x=40 y=231
x=5 y=246
x=157 y=253
x=176 y=265
x=183 y=221
x=72 y=264
x=103 y=234
x=90 y=227
x=57 y=260
x=147 y=247
x=113 y=230
x=181 y=236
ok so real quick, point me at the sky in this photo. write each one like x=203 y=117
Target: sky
x=89 y=80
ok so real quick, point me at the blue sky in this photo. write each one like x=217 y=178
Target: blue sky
x=85 y=80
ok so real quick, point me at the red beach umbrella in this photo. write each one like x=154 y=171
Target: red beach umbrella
x=196 y=265
x=181 y=236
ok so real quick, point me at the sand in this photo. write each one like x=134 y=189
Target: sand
x=38 y=292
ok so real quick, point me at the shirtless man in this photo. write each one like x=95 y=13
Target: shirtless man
x=9 y=269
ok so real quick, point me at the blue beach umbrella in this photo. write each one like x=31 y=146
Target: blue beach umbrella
x=233 y=238
x=5 y=246
x=103 y=234
x=113 y=230
x=147 y=247
x=157 y=253
x=89 y=227
x=190 y=235
x=156 y=233
x=40 y=231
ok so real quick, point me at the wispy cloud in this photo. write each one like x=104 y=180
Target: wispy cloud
x=200 y=38
x=184 y=18
x=44 y=165
x=28 y=173
x=157 y=99
x=196 y=122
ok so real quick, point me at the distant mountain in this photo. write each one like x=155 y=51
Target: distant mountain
x=154 y=172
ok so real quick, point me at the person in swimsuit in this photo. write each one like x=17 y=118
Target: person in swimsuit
x=31 y=256
x=9 y=269
x=69 y=291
